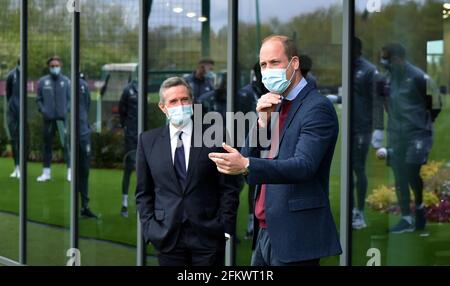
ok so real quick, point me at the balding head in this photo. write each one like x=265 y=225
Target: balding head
x=280 y=52
x=290 y=50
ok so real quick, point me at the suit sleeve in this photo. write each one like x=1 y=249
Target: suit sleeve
x=318 y=134
x=145 y=195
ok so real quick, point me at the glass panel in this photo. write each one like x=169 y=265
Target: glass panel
x=9 y=128
x=320 y=46
x=48 y=205
x=401 y=203
x=109 y=56
x=181 y=33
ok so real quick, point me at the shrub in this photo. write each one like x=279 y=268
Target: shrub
x=107 y=149
x=382 y=198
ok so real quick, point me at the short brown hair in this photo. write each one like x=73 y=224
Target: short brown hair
x=205 y=62
x=54 y=58
x=290 y=49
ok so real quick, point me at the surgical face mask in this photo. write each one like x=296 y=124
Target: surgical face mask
x=55 y=70
x=386 y=64
x=180 y=115
x=275 y=79
x=210 y=75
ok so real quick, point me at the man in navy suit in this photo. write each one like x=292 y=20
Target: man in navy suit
x=292 y=207
x=185 y=205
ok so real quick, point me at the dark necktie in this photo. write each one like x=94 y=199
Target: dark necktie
x=259 y=207
x=180 y=162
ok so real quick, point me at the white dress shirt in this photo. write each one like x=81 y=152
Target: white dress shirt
x=186 y=138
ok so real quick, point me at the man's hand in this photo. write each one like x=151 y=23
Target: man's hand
x=231 y=163
x=266 y=104
x=377 y=138
x=381 y=153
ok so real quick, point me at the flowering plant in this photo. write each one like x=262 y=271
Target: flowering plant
x=436 y=196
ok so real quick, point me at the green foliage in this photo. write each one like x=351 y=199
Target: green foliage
x=155 y=117
x=107 y=36
x=399 y=22
x=107 y=149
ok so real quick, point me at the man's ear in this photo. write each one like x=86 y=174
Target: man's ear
x=162 y=107
x=297 y=64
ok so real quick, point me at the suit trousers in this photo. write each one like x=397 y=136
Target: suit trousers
x=190 y=251
x=263 y=254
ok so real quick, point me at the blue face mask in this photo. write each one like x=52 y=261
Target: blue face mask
x=275 y=79
x=386 y=64
x=210 y=75
x=180 y=115
x=55 y=70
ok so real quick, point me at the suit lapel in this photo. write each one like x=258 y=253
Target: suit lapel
x=164 y=148
x=298 y=101
x=194 y=152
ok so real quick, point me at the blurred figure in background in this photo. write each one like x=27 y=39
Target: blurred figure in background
x=410 y=132
x=216 y=99
x=249 y=95
x=305 y=69
x=128 y=110
x=367 y=120
x=13 y=114
x=53 y=100
x=202 y=79
x=85 y=148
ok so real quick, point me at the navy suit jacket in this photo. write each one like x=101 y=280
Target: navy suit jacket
x=209 y=201
x=297 y=207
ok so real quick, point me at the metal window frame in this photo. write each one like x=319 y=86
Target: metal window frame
x=144 y=12
x=232 y=79
x=346 y=172
x=144 y=7
x=23 y=139
x=75 y=127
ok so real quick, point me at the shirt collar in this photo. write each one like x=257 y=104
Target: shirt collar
x=187 y=129
x=296 y=90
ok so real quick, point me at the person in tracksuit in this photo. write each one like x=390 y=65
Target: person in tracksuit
x=202 y=79
x=53 y=100
x=305 y=69
x=128 y=111
x=247 y=97
x=367 y=121
x=410 y=132
x=85 y=149
x=13 y=114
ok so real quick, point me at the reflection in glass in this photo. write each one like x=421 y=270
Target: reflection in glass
x=48 y=204
x=407 y=197
x=367 y=128
x=320 y=61
x=9 y=129
x=193 y=47
x=108 y=131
